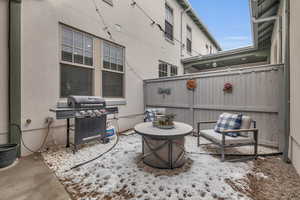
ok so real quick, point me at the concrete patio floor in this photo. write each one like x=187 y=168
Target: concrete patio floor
x=30 y=179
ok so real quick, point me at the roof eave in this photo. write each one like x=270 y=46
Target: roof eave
x=185 y=4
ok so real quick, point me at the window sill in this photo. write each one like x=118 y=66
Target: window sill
x=115 y=101
x=170 y=41
x=77 y=65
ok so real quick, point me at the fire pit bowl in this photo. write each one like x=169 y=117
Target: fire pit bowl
x=8 y=154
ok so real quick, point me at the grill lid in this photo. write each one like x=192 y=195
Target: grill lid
x=85 y=101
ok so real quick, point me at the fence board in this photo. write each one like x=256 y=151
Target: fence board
x=256 y=92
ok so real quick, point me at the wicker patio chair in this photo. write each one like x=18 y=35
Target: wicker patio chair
x=248 y=137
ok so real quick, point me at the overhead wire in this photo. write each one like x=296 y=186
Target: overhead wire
x=153 y=22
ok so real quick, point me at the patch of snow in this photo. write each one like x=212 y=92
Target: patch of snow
x=118 y=173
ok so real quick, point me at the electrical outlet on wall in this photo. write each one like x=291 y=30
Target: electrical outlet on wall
x=49 y=120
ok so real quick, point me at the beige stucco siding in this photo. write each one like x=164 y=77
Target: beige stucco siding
x=3 y=70
x=295 y=83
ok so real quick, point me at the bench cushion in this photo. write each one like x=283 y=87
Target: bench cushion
x=217 y=138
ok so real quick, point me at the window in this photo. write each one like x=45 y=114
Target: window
x=77 y=51
x=75 y=80
x=77 y=47
x=113 y=71
x=169 y=23
x=165 y=69
x=173 y=70
x=112 y=84
x=207 y=48
x=210 y=49
x=189 y=39
x=110 y=2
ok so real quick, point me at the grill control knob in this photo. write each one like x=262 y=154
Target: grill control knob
x=82 y=113
x=90 y=113
x=98 y=113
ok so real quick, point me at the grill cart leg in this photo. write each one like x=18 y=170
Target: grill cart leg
x=68 y=133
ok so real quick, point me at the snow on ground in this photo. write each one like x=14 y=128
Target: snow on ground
x=120 y=175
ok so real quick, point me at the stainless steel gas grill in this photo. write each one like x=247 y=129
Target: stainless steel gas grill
x=90 y=116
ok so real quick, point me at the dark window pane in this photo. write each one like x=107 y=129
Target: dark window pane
x=88 y=58
x=75 y=81
x=106 y=64
x=78 y=56
x=88 y=61
x=168 y=30
x=113 y=66
x=67 y=53
x=120 y=68
x=112 y=84
x=189 y=45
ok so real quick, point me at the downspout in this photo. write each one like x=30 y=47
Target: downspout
x=14 y=72
x=287 y=86
x=181 y=28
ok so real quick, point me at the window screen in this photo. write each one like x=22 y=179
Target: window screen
x=75 y=80
x=112 y=84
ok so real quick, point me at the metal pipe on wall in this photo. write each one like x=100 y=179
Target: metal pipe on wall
x=14 y=71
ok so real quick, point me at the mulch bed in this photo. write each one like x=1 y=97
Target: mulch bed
x=279 y=181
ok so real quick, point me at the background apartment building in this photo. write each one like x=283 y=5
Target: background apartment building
x=94 y=47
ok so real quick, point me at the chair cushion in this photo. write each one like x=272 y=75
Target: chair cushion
x=151 y=113
x=229 y=121
x=217 y=138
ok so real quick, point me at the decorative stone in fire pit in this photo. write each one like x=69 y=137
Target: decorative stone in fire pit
x=163 y=148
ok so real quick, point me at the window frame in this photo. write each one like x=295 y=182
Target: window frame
x=169 y=23
x=168 y=72
x=160 y=71
x=123 y=72
x=174 y=68
x=84 y=50
x=189 y=32
x=82 y=67
x=73 y=64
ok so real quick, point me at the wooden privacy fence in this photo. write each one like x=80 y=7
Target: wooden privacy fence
x=257 y=92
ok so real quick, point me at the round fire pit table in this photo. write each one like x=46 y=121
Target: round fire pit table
x=163 y=148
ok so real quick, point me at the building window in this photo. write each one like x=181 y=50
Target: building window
x=210 y=49
x=77 y=47
x=207 y=48
x=109 y=2
x=189 y=39
x=113 y=71
x=75 y=80
x=169 y=23
x=76 y=73
x=165 y=69
x=173 y=71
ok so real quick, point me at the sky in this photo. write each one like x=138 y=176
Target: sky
x=227 y=20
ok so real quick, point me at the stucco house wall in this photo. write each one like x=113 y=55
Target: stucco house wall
x=3 y=70
x=144 y=46
x=295 y=82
